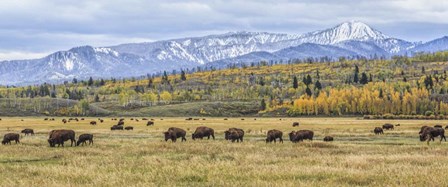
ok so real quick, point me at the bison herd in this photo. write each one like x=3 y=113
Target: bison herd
x=58 y=137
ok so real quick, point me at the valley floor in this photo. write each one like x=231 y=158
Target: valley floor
x=141 y=157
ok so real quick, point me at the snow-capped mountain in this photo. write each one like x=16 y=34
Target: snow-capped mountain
x=347 y=39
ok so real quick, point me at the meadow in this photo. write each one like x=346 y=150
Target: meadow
x=141 y=157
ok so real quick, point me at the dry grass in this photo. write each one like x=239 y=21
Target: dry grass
x=142 y=158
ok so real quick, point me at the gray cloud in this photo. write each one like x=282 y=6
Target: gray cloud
x=36 y=27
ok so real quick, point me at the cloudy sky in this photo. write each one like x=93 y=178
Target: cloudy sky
x=35 y=28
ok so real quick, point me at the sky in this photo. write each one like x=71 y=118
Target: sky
x=35 y=28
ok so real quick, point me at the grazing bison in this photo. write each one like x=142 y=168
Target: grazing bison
x=378 y=130
x=397 y=125
x=225 y=119
x=273 y=135
x=202 y=132
x=120 y=123
x=295 y=124
x=101 y=120
x=328 y=139
x=388 y=126
x=136 y=120
x=28 y=131
x=144 y=119
x=429 y=133
x=46 y=119
x=297 y=136
x=234 y=134
x=64 y=121
x=446 y=127
x=7 y=138
x=129 y=128
x=93 y=123
x=116 y=127
x=60 y=136
x=150 y=123
x=82 y=119
x=438 y=126
x=83 y=138
x=173 y=133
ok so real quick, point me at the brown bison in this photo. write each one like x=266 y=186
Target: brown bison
x=60 y=136
x=378 y=130
x=129 y=128
x=429 y=133
x=189 y=119
x=116 y=127
x=446 y=127
x=144 y=119
x=272 y=135
x=150 y=123
x=7 y=138
x=298 y=136
x=202 y=132
x=328 y=139
x=93 y=123
x=120 y=123
x=422 y=129
x=173 y=133
x=388 y=126
x=101 y=120
x=83 y=138
x=64 y=121
x=295 y=124
x=28 y=131
x=438 y=126
x=234 y=134
x=46 y=119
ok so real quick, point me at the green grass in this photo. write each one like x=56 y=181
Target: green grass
x=142 y=158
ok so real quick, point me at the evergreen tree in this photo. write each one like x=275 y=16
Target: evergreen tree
x=263 y=104
x=364 y=79
x=90 y=83
x=308 y=91
x=182 y=76
x=318 y=85
x=355 y=76
x=295 y=83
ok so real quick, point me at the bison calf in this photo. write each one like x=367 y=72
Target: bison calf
x=83 y=138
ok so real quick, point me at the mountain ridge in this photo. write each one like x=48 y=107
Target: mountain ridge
x=351 y=38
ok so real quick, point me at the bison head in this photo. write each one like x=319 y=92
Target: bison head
x=423 y=137
x=193 y=136
x=51 y=142
x=4 y=142
x=167 y=135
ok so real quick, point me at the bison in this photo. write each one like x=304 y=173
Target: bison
x=129 y=128
x=328 y=139
x=64 y=121
x=295 y=124
x=116 y=127
x=28 y=131
x=83 y=138
x=202 y=132
x=150 y=123
x=7 y=138
x=173 y=133
x=297 y=136
x=378 y=130
x=429 y=133
x=93 y=123
x=438 y=126
x=60 y=136
x=234 y=134
x=446 y=127
x=388 y=126
x=272 y=135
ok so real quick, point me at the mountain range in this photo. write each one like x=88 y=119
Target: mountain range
x=351 y=38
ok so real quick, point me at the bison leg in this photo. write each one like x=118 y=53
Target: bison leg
x=90 y=141
x=213 y=136
x=281 y=139
x=184 y=139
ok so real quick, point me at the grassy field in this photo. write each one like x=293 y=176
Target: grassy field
x=142 y=158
